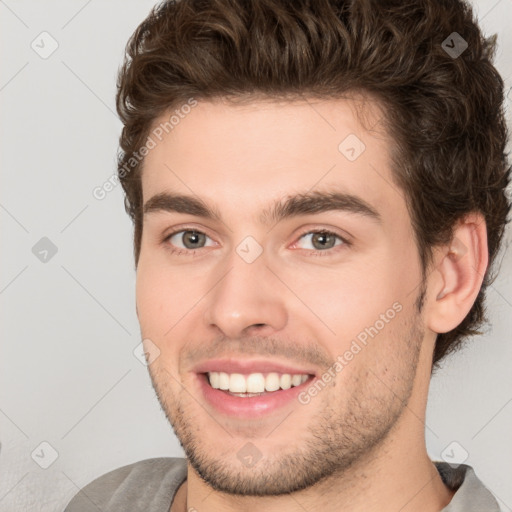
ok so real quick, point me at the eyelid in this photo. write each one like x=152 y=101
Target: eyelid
x=345 y=237
x=178 y=229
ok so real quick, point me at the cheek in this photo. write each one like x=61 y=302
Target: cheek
x=153 y=291
x=350 y=297
x=164 y=295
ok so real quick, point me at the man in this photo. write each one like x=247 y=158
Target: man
x=318 y=194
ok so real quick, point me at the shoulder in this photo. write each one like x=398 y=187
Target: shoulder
x=471 y=494
x=147 y=485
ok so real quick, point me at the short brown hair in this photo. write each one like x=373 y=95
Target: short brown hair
x=444 y=112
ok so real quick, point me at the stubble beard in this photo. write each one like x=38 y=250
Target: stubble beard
x=334 y=441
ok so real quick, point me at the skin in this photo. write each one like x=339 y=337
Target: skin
x=359 y=444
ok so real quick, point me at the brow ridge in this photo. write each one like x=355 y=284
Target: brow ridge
x=291 y=206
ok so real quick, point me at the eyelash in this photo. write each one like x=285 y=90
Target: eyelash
x=326 y=252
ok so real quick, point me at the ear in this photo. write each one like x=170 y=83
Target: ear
x=458 y=275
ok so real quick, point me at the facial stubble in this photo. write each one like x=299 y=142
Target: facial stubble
x=342 y=433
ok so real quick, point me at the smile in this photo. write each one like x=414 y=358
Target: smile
x=252 y=395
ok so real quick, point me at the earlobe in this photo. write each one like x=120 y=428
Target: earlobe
x=458 y=276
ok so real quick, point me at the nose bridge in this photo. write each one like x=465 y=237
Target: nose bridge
x=247 y=294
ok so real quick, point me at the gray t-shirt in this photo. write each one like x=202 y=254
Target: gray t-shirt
x=150 y=485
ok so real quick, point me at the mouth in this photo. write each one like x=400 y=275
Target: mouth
x=251 y=395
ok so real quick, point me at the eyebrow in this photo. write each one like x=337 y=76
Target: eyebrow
x=291 y=206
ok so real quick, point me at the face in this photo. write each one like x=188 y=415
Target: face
x=277 y=252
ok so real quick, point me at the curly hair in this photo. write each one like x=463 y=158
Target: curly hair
x=443 y=101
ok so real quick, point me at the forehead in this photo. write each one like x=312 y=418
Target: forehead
x=245 y=154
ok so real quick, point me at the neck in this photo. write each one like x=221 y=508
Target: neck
x=400 y=476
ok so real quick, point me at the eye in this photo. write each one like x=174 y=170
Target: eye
x=321 y=240
x=186 y=240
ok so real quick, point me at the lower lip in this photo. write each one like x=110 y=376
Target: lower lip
x=249 y=407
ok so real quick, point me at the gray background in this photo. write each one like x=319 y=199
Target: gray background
x=68 y=374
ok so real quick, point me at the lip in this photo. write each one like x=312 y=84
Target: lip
x=247 y=367
x=249 y=407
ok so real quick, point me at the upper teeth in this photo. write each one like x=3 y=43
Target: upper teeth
x=254 y=382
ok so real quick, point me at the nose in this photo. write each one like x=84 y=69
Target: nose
x=247 y=297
